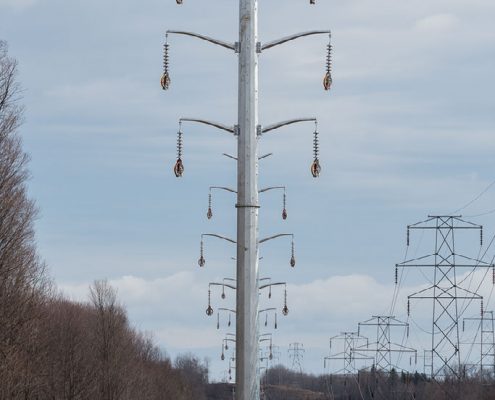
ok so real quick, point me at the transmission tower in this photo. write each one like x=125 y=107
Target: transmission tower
x=384 y=347
x=486 y=342
x=444 y=291
x=247 y=132
x=352 y=341
x=296 y=355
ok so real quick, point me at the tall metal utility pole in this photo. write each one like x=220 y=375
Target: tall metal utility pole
x=247 y=353
x=445 y=290
x=247 y=131
x=383 y=347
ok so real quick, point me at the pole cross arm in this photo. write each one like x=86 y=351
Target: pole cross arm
x=275 y=237
x=223 y=285
x=230 y=46
x=278 y=125
x=219 y=237
x=286 y=39
x=218 y=125
x=272 y=284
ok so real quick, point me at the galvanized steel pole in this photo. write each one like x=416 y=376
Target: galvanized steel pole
x=247 y=357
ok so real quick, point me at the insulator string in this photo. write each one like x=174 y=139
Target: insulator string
x=209 y=214
x=179 y=166
x=285 y=309
x=315 y=166
x=327 y=79
x=292 y=257
x=165 y=81
x=284 y=210
x=209 y=310
x=201 y=261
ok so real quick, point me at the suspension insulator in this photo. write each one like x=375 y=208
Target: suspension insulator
x=209 y=310
x=327 y=79
x=209 y=213
x=292 y=258
x=407 y=240
x=229 y=323
x=463 y=325
x=201 y=260
x=312 y=1
x=315 y=166
x=481 y=236
x=165 y=80
x=284 y=214
x=493 y=274
x=285 y=309
x=396 y=274
x=218 y=320
x=481 y=307
x=408 y=308
x=276 y=325
x=178 y=1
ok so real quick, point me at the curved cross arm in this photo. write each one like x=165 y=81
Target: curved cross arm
x=271 y=188
x=219 y=237
x=275 y=237
x=223 y=188
x=229 y=156
x=277 y=125
x=272 y=284
x=222 y=284
x=286 y=39
x=218 y=125
x=227 y=45
x=267 y=309
x=227 y=309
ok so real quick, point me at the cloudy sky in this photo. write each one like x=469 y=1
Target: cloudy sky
x=406 y=131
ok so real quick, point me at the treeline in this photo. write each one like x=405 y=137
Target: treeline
x=53 y=348
x=281 y=383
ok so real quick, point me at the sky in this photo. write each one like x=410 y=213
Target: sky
x=406 y=131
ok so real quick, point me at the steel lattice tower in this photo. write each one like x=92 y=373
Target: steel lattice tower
x=352 y=342
x=296 y=354
x=445 y=291
x=486 y=343
x=384 y=347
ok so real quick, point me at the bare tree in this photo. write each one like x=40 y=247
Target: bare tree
x=23 y=282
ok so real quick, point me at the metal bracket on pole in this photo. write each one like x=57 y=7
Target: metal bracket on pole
x=217 y=125
x=292 y=37
x=230 y=46
x=275 y=237
x=278 y=125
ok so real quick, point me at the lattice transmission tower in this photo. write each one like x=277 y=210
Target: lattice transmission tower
x=383 y=347
x=445 y=290
x=351 y=342
x=247 y=131
x=486 y=342
x=296 y=355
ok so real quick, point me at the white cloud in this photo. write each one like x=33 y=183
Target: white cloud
x=437 y=23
